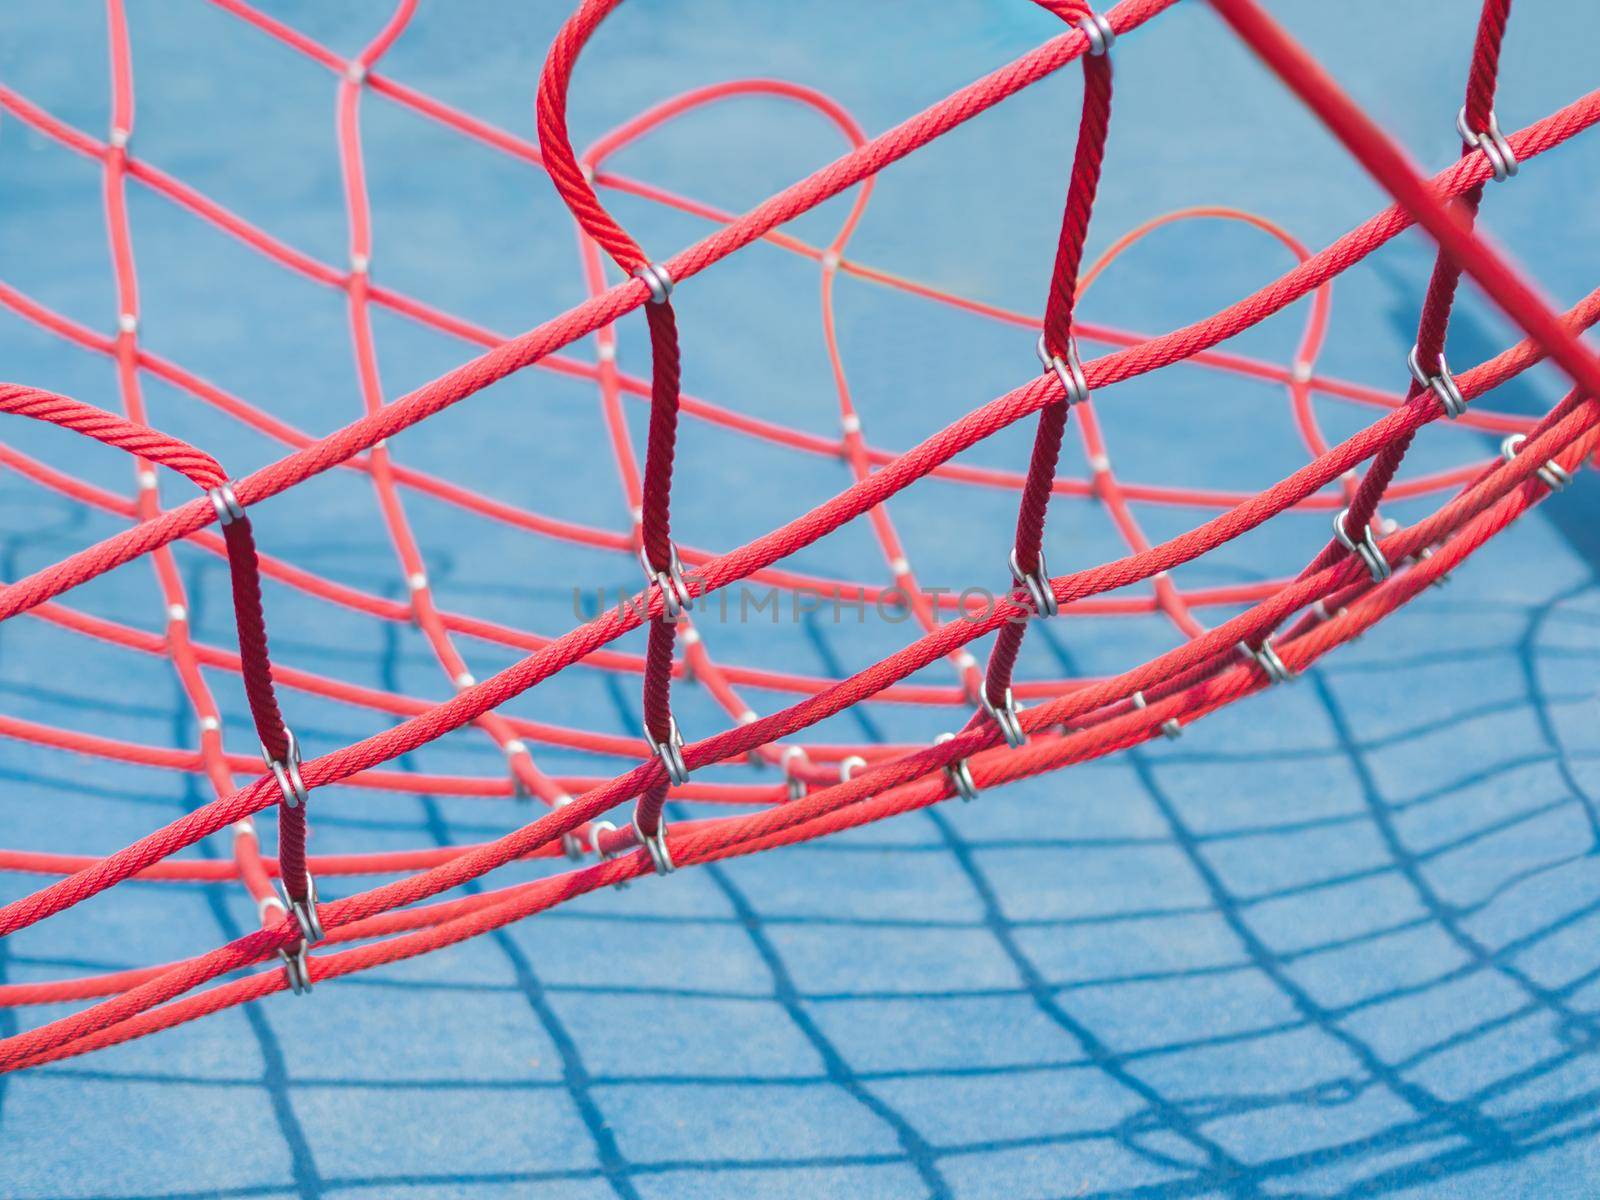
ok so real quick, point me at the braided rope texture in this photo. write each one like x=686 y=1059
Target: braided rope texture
x=1067 y=721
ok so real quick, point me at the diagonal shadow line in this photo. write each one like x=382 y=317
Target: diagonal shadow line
x=918 y=1154
x=1444 y=914
x=614 y=1166
x=1527 y=647
x=1465 y=970
x=1468 y=1124
x=9 y=1022
x=275 y=1070
x=1222 y=1170
x=1421 y=858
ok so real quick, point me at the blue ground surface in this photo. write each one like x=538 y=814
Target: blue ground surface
x=1340 y=940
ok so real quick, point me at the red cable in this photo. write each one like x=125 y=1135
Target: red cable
x=1187 y=682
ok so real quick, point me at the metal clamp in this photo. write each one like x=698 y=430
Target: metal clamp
x=1038 y=585
x=226 y=503
x=657 y=280
x=959 y=774
x=305 y=912
x=595 y=829
x=1492 y=142
x=670 y=752
x=1442 y=385
x=296 y=963
x=287 y=772
x=520 y=791
x=297 y=968
x=1068 y=370
x=1320 y=609
x=850 y=764
x=655 y=845
x=1267 y=659
x=675 y=595
x=1552 y=474
x=1424 y=555
x=1366 y=549
x=571 y=843
x=793 y=785
x=1171 y=727
x=1101 y=36
x=1006 y=717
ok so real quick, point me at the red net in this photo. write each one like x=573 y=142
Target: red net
x=1367 y=568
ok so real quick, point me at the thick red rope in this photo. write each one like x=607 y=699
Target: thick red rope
x=1074 y=720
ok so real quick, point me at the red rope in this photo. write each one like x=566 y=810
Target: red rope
x=659 y=555
x=1074 y=721
x=1440 y=296
x=1058 y=345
